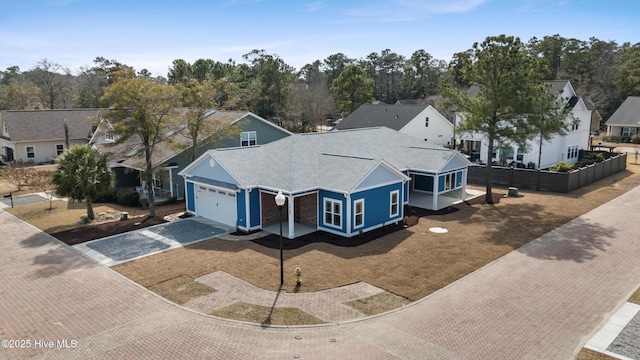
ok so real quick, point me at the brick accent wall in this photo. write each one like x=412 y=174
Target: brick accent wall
x=270 y=209
x=306 y=210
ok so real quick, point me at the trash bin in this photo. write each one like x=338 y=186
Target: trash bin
x=124 y=216
x=513 y=192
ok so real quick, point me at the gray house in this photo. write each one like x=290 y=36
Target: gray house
x=127 y=159
x=38 y=136
x=625 y=121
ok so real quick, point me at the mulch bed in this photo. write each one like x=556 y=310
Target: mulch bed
x=90 y=232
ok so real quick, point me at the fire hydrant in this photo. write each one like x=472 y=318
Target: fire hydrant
x=298 y=274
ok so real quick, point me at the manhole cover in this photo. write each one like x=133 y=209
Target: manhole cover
x=438 y=230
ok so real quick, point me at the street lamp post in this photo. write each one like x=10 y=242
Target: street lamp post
x=280 y=202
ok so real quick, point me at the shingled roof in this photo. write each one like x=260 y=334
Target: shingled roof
x=337 y=160
x=392 y=116
x=44 y=125
x=627 y=114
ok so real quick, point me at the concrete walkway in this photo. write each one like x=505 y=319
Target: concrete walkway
x=542 y=301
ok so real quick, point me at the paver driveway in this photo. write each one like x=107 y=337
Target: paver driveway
x=542 y=301
x=120 y=248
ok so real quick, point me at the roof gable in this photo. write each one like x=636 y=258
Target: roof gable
x=627 y=114
x=392 y=116
x=208 y=167
x=381 y=174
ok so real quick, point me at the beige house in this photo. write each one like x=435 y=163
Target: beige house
x=38 y=136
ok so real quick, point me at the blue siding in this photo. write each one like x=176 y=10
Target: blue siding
x=322 y=194
x=424 y=183
x=377 y=205
x=254 y=206
x=241 y=208
x=191 y=197
x=441 y=179
x=405 y=198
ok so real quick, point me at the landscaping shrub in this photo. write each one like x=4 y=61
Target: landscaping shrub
x=561 y=166
x=84 y=218
x=591 y=158
x=106 y=198
x=127 y=197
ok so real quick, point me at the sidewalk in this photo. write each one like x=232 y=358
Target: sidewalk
x=542 y=301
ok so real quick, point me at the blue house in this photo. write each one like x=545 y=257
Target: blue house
x=342 y=182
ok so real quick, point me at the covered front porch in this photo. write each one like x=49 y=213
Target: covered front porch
x=299 y=214
x=298 y=229
x=424 y=200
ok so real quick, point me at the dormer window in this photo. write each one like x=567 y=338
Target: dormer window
x=248 y=138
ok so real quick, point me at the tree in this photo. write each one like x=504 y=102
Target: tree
x=628 y=77
x=18 y=173
x=272 y=78
x=43 y=181
x=82 y=173
x=180 y=72
x=310 y=98
x=144 y=112
x=550 y=50
x=351 y=89
x=200 y=98
x=511 y=100
x=422 y=75
x=18 y=95
x=334 y=65
x=54 y=83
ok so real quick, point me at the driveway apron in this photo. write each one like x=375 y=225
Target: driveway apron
x=132 y=245
x=542 y=301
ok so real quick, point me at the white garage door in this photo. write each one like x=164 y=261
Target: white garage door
x=217 y=205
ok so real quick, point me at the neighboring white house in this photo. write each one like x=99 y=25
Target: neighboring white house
x=583 y=120
x=422 y=122
x=625 y=121
x=38 y=136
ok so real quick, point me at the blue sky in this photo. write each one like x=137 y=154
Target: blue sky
x=151 y=34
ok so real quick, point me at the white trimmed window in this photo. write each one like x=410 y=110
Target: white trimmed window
x=394 y=200
x=426 y=122
x=572 y=152
x=109 y=137
x=31 y=152
x=248 y=138
x=575 y=126
x=358 y=213
x=333 y=213
x=59 y=149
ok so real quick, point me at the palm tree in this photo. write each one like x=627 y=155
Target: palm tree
x=82 y=173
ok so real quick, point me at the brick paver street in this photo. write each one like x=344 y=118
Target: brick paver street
x=542 y=301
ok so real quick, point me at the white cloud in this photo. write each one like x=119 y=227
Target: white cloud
x=440 y=6
x=314 y=6
x=542 y=5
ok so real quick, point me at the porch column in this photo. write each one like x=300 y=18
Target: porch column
x=464 y=184
x=291 y=217
x=434 y=199
x=171 y=183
